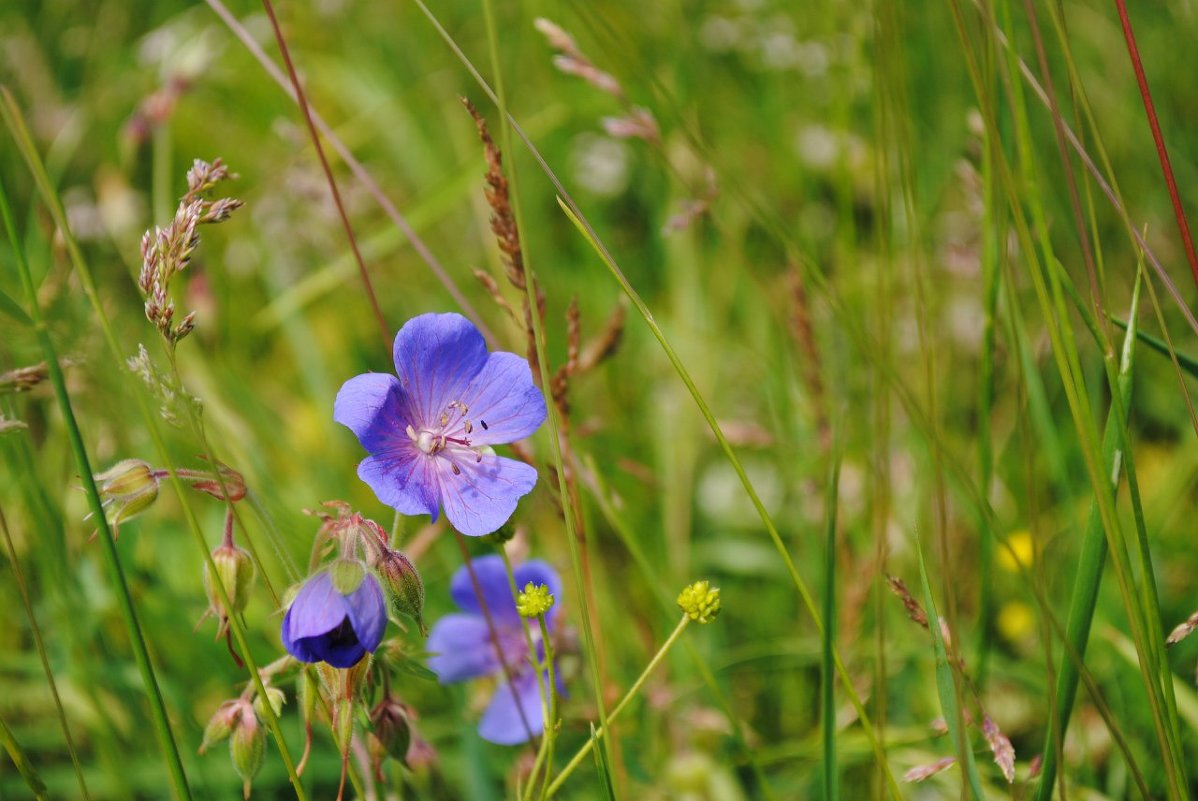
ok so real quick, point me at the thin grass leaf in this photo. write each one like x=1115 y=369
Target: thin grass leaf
x=15 y=122
x=22 y=762
x=601 y=768
x=1187 y=363
x=946 y=684
x=12 y=309
x=158 y=714
x=577 y=548
x=684 y=374
x=828 y=637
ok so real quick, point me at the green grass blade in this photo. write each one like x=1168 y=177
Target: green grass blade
x=1084 y=600
x=11 y=308
x=158 y=714
x=17 y=127
x=1186 y=363
x=577 y=545
x=605 y=782
x=21 y=760
x=800 y=586
x=947 y=687
x=828 y=638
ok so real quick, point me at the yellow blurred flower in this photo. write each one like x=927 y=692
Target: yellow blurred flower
x=1016 y=621
x=1019 y=550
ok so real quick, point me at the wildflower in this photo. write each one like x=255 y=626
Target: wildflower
x=337 y=617
x=700 y=601
x=463 y=648
x=429 y=430
x=534 y=600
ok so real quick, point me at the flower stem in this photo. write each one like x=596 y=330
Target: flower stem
x=618 y=708
x=550 y=739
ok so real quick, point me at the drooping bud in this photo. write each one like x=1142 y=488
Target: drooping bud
x=700 y=601
x=127 y=489
x=220 y=725
x=247 y=746
x=236 y=570
x=392 y=729
x=401 y=583
x=534 y=600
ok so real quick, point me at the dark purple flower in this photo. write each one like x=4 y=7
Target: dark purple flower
x=338 y=615
x=429 y=430
x=463 y=649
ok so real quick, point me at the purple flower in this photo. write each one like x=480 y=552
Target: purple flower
x=463 y=649
x=338 y=616
x=429 y=430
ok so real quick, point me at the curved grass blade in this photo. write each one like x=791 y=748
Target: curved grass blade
x=1084 y=600
x=21 y=760
x=684 y=374
x=13 y=309
x=161 y=723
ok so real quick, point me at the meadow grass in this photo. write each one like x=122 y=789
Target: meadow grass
x=839 y=308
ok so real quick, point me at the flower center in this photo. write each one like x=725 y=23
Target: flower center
x=449 y=437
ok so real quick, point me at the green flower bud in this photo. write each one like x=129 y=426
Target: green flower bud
x=247 y=746
x=347 y=575
x=220 y=725
x=277 y=699
x=400 y=581
x=127 y=489
x=237 y=572
x=534 y=600
x=700 y=601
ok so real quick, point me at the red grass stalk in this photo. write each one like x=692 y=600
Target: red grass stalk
x=1162 y=153
x=302 y=100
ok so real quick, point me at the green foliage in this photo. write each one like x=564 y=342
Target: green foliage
x=855 y=214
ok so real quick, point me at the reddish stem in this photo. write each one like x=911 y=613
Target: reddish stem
x=1161 y=152
x=302 y=100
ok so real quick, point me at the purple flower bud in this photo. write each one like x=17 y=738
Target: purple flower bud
x=337 y=617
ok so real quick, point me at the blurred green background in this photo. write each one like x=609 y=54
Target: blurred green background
x=799 y=115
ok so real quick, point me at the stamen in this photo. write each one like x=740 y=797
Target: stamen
x=468 y=427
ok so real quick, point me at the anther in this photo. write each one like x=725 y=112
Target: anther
x=468 y=427
x=457 y=471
